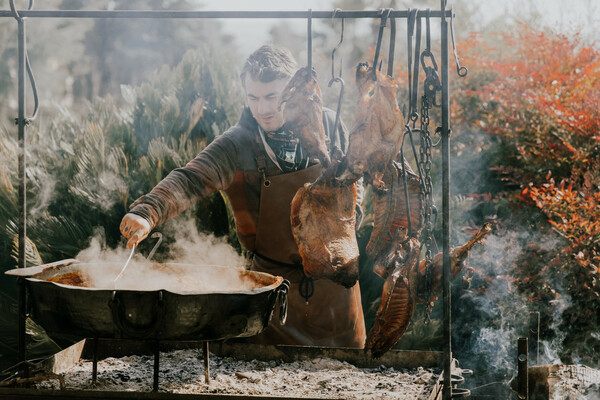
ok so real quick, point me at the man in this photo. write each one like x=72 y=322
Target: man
x=260 y=166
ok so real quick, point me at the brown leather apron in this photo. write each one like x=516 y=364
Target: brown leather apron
x=333 y=315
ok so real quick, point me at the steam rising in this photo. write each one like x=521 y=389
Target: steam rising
x=492 y=313
x=44 y=195
x=195 y=262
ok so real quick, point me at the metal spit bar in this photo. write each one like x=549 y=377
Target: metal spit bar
x=22 y=122
x=213 y=14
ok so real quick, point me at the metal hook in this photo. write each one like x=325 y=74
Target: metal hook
x=338 y=78
x=428 y=29
x=333 y=77
x=390 y=71
x=461 y=71
x=15 y=12
x=309 y=27
x=36 y=103
x=154 y=236
x=384 y=16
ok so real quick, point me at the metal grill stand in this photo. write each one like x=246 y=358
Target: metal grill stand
x=22 y=122
x=156 y=346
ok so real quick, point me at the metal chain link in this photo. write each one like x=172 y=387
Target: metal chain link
x=427 y=199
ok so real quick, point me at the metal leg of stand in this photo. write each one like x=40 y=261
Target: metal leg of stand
x=156 y=365
x=206 y=363
x=94 y=361
x=522 y=377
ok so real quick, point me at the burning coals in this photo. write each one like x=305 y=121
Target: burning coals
x=182 y=371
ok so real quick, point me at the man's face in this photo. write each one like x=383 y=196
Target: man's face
x=263 y=100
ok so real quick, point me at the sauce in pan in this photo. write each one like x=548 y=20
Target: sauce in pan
x=164 y=276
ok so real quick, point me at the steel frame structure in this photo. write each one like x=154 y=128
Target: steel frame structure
x=21 y=121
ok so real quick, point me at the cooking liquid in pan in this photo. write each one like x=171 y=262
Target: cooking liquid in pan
x=173 y=277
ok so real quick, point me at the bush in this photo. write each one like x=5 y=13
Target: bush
x=534 y=108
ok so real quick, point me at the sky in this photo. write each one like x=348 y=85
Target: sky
x=565 y=17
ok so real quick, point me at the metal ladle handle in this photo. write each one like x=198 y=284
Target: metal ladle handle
x=158 y=242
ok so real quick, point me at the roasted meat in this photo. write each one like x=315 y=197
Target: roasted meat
x=303 y=113
x=323 y=221
x=398 y=298
x=405 y=286
x=378 y=127
x=391 y=209
x=458 y=256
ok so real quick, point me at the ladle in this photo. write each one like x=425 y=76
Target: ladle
x=154 y=236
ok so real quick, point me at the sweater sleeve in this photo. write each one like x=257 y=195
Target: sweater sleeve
x=213 y=169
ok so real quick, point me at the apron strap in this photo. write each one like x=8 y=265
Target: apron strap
x=254 y=253
x=306 y=287
x=261 y=159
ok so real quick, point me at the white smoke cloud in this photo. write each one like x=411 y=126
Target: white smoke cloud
x=195 y=262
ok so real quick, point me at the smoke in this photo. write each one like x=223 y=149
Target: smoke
x=507 y=282
x=193 y=247
x=45 y=188
x=500 y=314
x=493 y=313
x=192 y=262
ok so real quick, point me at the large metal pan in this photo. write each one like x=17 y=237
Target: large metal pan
x=64 y=301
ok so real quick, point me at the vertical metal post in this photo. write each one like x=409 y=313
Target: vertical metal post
x=309 y=40
x=447 y=391
x=534 y=335
x=21 y=123
x=156 y=365
x=94 y=360
x=523 y=379
x=206 y=353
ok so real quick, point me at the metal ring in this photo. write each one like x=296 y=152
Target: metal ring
x=460 y=392
x=283 y=303
x=306 y=287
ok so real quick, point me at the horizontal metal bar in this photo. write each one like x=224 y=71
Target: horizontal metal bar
x=246 y=351
x=210 y=14
x=81 y=394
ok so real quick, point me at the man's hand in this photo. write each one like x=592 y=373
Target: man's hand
x=134 y=228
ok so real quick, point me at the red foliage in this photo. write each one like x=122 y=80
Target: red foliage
x=539 y=99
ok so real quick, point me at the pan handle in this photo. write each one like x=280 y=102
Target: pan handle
x=282 y=300
x=133 y=331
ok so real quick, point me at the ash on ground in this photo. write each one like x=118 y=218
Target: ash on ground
x=182 y=371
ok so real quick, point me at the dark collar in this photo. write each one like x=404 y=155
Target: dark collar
x=248 y=121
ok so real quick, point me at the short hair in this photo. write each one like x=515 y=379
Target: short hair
x=269 y=63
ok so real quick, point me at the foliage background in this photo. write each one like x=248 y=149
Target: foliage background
x=123 y=103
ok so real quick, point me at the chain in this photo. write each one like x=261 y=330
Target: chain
x=427 y=198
